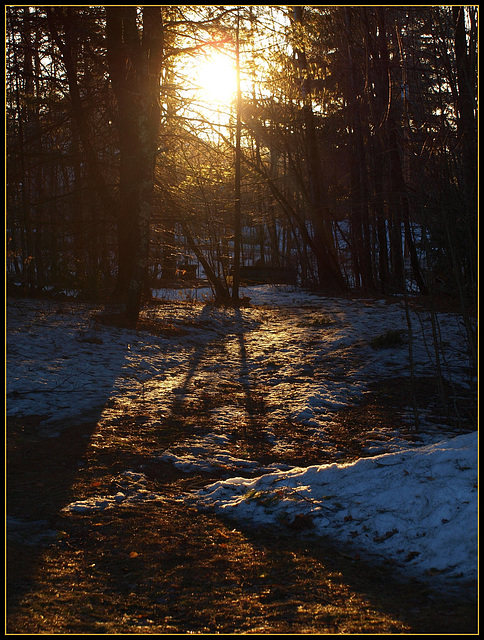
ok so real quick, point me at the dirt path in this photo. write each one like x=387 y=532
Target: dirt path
x=163 y=567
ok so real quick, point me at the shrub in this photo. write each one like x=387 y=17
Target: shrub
x=390 y=339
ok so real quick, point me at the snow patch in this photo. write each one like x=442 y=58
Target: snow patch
x=417 y=507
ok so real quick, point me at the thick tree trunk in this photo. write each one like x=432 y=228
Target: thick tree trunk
x=467 y=132
x=135 y=66
x=361 y=249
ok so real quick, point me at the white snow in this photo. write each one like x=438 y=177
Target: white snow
x=133 y=488
x=417 y=507
x=412 y=501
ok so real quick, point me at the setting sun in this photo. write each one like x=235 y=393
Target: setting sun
x=216 y=77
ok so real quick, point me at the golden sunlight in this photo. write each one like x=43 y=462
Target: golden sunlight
x=217 y=78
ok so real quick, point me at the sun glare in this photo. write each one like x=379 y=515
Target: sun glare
x=216 y=77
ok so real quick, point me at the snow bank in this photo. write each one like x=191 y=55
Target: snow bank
x=417 y=507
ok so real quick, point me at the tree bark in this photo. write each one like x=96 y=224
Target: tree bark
x=237 y=204
x=68 y=48
x=135 y=60
x=467 y=132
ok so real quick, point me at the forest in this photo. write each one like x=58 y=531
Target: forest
x=343 y=158
x=242 y=300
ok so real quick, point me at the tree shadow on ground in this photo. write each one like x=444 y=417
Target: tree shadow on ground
x=168 y=568
x=40 y=475
x=44 y=454
x=165 y=567
x=42 y=471
x=194 y=396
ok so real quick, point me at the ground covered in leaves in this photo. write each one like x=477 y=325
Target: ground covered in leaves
x=164 y=567
x=161 y=566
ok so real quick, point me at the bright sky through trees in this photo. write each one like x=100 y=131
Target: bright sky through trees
x=206 y=78
x=355 y=125
x=216 y=77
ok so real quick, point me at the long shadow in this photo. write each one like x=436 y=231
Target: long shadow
x=42 y=471
x=327 y=575
x=186 y=571
x=43 y=454
x=254 y=403
x=198 y=565
x=40 y=475
x=200 y=352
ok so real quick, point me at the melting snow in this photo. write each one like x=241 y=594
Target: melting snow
x=414 y=502
x=418 y=507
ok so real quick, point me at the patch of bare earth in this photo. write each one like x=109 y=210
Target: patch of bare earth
x=164 y=567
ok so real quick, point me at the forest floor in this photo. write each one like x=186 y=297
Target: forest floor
x=168 y=568
x=164 y=567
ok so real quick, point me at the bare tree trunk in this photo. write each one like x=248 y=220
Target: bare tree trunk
x=359 y=177
x=26 y=131
x=467 y=131
x=135 y=66
x=237 y=212
x=63 y=25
